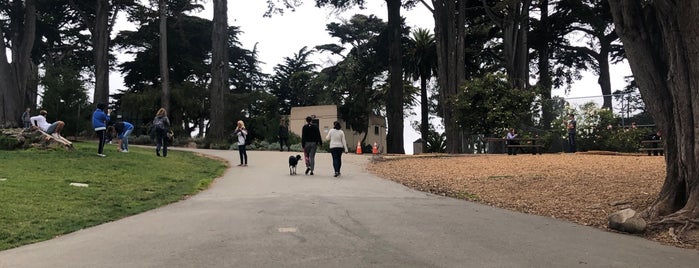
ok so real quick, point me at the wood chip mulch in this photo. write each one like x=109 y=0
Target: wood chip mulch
x=583 y=188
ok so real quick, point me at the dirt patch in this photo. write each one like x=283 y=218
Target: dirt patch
x=580 y=188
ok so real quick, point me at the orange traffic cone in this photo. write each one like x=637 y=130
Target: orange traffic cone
x=359 y=148
x=375 y=149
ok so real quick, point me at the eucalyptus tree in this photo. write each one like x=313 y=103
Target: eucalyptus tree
x=422 y=65
x=17 y=35
x=659 y=39
x=219 y=69
x=512 y=18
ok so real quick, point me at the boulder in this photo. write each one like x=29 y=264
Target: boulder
x=627 y=220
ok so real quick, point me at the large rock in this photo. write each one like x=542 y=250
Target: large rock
x=627 y=220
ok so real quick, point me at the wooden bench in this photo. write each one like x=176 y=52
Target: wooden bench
x=652 y=146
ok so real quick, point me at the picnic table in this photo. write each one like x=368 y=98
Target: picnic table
x=652 y=146
x=534 y=144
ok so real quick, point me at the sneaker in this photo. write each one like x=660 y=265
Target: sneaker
x=56 y=136
x=124 y=151
x=101 y=155
x=307 y=170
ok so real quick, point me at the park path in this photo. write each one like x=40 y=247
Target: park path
x=259 y=216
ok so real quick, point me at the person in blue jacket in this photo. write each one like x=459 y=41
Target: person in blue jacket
x=100 y=118
x=122 y=130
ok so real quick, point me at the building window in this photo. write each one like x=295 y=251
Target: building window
x=376 y=130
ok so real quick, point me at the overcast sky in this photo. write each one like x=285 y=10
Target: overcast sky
x=283 y=35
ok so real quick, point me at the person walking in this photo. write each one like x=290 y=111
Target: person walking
x=26 y=118
x=161 y=124
x=242 y=134
x=99 y=123
x=337 y=143
x=310 y=140
x=283 y=136
x=571 y=126
x=122 y=130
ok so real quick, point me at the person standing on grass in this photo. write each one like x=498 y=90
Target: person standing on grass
x=310 y=140
x=337 y=144
x=571 y=126
x=100 y=118
x=242 y=134
x=161 y=124
x=26 y=118
x=122 y=130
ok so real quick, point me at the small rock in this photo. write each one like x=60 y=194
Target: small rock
x=627 y=220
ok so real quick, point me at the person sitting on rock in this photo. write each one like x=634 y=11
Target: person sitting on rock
x=53 y=129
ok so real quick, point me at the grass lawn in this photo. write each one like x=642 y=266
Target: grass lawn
x=37 y=202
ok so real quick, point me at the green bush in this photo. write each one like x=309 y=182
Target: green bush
x=8 y=143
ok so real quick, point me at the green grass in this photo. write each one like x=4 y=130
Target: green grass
x=37 y=203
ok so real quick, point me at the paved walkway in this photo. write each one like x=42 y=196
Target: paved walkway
x=259 y=216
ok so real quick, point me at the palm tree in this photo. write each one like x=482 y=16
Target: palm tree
x=422 y=65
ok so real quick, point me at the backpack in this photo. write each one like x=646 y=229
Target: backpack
x=159 y=123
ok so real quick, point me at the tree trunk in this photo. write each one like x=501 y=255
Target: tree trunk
x=660 y=39
x=424 y=113
x=219 y=70
x=394 y=104
x=100 y=39
x=164 y=68
x=545 y=67
x=14 y=76
x=515 y=27
x=449 y=29
x=604 y=79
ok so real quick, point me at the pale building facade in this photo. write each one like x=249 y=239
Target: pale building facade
x=325 y=115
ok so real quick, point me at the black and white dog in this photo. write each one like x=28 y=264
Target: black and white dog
x=293 y=161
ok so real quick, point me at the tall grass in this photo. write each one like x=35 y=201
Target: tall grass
x=38 y=203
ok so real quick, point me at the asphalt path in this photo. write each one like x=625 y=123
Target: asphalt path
x=260 y=216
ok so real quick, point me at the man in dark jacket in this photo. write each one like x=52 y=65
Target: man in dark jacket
x=310 y=140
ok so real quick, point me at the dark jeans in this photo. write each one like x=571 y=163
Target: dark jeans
x=337 y=158
x=161 y=141
x=571 y=142
x=243 y=154
x=510 y=150
x=282 y=141
x=101 y=135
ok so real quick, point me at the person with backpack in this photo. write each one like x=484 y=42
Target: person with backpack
x=242 y=134
x=161 y=124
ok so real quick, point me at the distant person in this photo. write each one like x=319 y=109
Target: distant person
x=337 y=143
x=53 y=129
x=283 y=136
x=242 y=134
x=657 y=136
x=122 y=130
x=511 y=136
x=571 y=126
x=310 y=140
x=161 y=125
x=26 y=118
x=100 y=119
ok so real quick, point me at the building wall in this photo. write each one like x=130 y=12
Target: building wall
x=327 y=114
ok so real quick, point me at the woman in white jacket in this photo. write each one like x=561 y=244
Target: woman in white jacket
x=337 y=144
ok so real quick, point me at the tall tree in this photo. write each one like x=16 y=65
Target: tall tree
x=219 y=69
x=449 y=31
x=660 y=42
x=422 y=55
x=512 y=17
x=14 y=75
x=591 y=18
x=291 y=81
x=164 y=68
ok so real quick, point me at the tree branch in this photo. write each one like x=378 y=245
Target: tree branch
x=431 y=9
